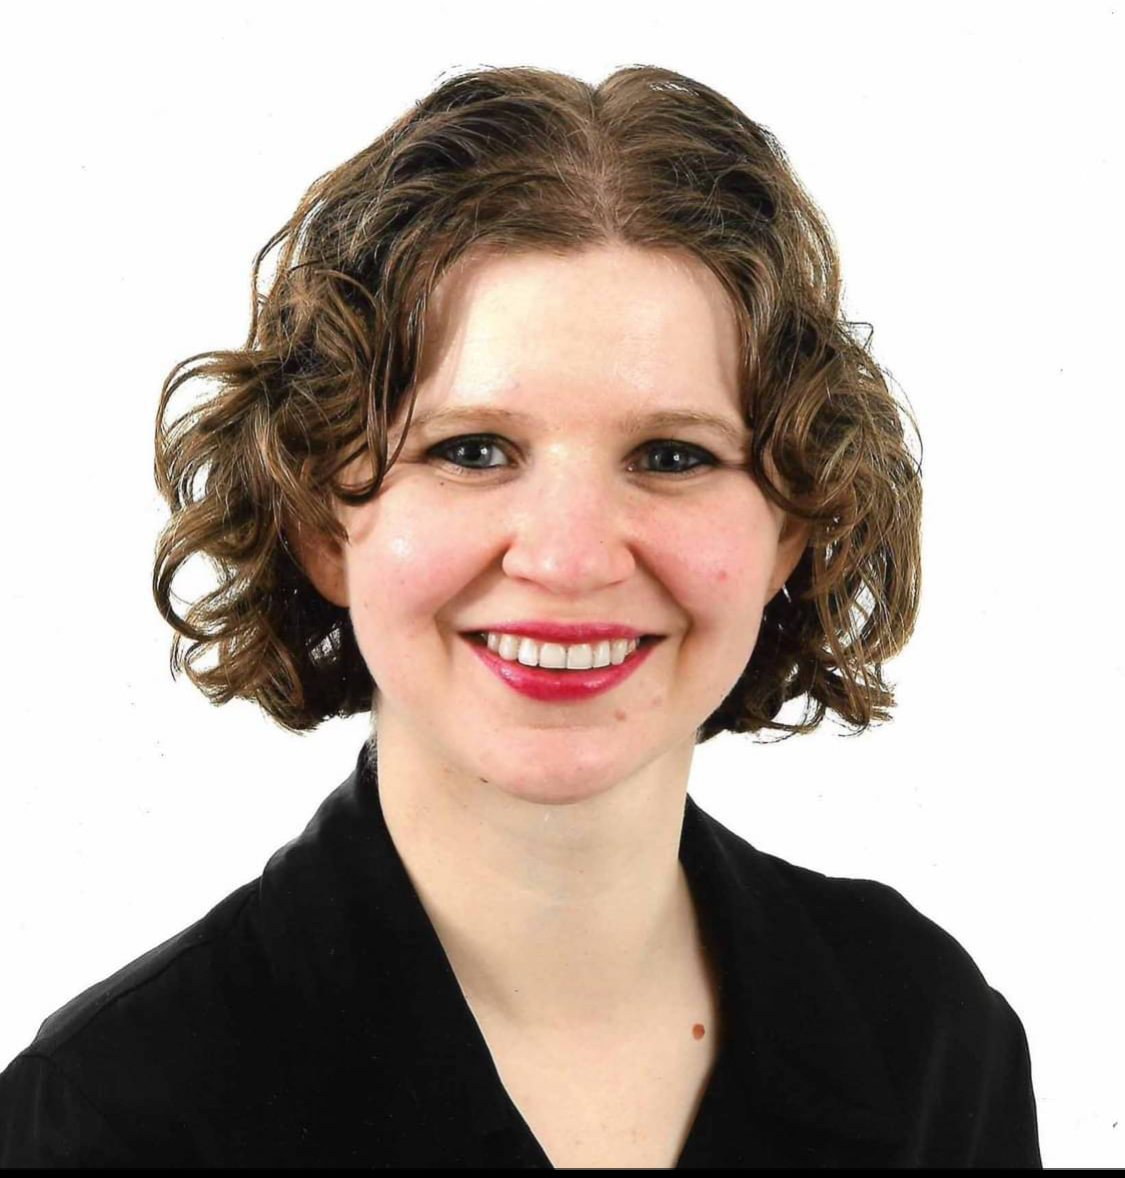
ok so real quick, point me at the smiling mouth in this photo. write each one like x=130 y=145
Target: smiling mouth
x=635 y=653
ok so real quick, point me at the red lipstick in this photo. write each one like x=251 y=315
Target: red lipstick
x=560 y=686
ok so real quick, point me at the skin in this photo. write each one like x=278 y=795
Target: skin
x=542 y=838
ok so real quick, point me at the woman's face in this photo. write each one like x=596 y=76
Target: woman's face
x=563 y=516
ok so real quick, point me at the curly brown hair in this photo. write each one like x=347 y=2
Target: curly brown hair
x=529 y=159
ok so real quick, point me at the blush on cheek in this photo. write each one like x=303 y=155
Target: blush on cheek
x=412 y=578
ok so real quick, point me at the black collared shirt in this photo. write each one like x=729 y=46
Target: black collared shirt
x=312 y=1019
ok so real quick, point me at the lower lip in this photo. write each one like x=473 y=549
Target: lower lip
x=560 y=686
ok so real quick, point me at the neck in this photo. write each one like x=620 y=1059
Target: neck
x=551 y=915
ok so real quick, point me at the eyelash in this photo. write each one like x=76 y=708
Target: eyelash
x=704 y=457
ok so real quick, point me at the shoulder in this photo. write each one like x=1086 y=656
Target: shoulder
x=879 y=935
x=954 y=1049
x=207 y=955
x=170 y=1030
x=901 y=966
x=857 y=930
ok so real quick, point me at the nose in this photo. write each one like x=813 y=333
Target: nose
x=572 y=532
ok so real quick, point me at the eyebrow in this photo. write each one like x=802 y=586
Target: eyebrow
x=631 y=424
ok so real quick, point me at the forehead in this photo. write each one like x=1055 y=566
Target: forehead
x=611 y=322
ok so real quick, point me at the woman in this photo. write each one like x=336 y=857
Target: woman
x=550 y=448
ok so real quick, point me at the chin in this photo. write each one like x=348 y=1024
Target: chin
x=549 y=769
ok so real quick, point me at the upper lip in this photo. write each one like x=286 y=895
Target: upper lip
x=564 y=632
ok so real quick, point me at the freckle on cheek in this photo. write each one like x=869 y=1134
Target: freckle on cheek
x=619 y=715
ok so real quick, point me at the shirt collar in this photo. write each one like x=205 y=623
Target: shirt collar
x=379 y=1013
x=794 y=1029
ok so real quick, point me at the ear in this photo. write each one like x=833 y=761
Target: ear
x=791 y=544
x=322 y=559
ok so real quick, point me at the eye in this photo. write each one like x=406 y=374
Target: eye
x=480 y=443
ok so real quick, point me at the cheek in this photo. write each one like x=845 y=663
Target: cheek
x=402 y=573
x=715 y=565
x=718 y=576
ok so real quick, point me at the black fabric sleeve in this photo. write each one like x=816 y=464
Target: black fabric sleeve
x=1006 y=1133
x=46 y=1121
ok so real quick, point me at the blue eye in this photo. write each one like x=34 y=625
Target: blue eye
x=480 y=443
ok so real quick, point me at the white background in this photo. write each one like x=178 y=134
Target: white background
x=968 y=158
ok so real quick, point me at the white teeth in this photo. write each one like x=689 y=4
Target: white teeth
x=579 y=657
